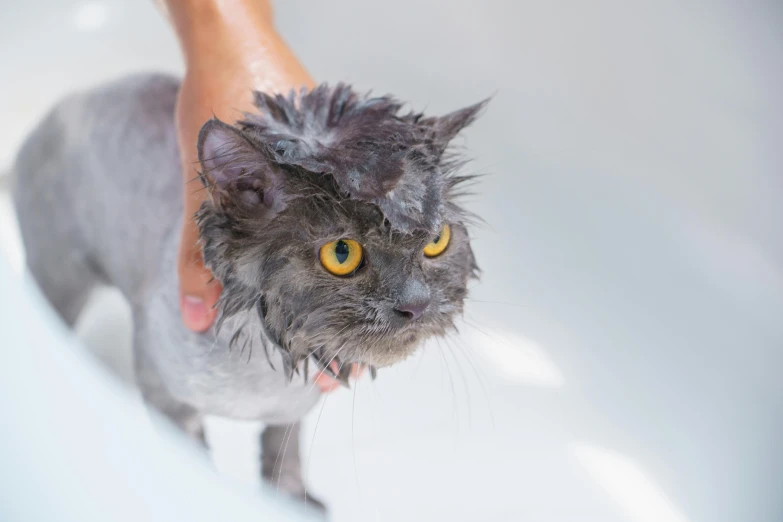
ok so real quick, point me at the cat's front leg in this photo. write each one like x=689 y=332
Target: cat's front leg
x=281 y=465
x=154 y=390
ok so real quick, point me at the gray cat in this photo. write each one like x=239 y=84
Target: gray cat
x=331 y=223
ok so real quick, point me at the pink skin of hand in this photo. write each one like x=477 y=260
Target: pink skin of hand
x=230 y=47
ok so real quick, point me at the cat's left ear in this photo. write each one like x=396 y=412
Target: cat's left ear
x=443 y=129
x=236 y=170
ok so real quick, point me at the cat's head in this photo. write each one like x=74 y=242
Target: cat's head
x=335 y=218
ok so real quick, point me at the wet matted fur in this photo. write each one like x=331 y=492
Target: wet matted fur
x=98 y=192
x=324 y=165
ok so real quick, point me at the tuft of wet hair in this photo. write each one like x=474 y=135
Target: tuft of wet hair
x=373 y=152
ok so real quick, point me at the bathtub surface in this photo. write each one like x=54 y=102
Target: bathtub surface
x=620 y=360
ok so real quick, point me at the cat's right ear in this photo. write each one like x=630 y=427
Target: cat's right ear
x=236 y=171
x=443 y=129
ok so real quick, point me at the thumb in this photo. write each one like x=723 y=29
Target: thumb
x=197 y=289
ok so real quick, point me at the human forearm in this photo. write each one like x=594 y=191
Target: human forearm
x=230 y=48
x=224 y=39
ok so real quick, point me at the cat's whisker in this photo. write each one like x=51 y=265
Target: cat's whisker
x=418 y=365
x=312 y=445
x=471 y=287
x=497 y=303
x=334 y=357
x=465 y=350
x=464 y=384
x=466 y=353
x=353 y=433
x=202 y=189
x=287 y=434
x=289 y=431
x=338 y=333
x=353 y=445
x=465 y=320
x=287 y=437
x=454 y=407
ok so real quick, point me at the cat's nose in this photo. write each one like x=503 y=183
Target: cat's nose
x=413 y=299
x=414 y=309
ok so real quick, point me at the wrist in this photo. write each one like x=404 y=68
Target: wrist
x=207 y=29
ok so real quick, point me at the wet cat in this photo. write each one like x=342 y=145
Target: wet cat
x=332 y=222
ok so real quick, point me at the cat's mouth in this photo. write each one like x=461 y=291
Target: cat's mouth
x=332 y=343
x=373 y=352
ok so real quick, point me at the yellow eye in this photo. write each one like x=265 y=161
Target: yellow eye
x=341 y=257
x=439 y=244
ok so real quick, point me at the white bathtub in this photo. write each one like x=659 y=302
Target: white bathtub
x=620 y=359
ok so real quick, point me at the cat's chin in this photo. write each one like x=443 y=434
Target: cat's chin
x=395 y=351
x=387 y=349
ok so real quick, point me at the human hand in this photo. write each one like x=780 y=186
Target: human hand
x=231 y=48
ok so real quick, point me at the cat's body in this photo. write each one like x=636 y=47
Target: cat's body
x=99 y=197
x=98 y=192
